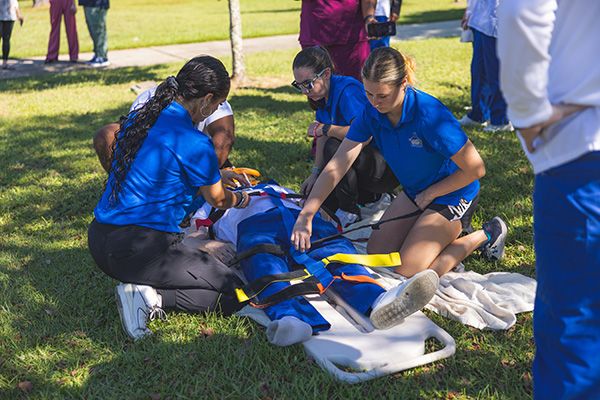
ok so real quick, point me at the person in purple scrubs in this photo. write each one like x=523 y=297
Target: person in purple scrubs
x=340 y=26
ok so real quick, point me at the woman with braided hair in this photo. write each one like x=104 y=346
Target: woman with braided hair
x=163 y=168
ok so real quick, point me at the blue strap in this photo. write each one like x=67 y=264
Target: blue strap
x=316 y=268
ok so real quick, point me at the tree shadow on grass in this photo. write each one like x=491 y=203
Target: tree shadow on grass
x=101 y=77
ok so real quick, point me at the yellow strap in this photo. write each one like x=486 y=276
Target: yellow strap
x=368 y=260
x=241 y=295
x=248 y=171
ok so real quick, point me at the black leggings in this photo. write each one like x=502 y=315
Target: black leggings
x=6 y=28
x=367 y=178
x=188 y=279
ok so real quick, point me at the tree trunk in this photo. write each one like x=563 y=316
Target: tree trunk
x=37 y=3
x=235 y=35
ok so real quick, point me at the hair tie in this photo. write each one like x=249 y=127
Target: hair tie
x=172 y=82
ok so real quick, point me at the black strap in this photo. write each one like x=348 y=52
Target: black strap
x=374 y=225
x=271 y=248
x=309 y=286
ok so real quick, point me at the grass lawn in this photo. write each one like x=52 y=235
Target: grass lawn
x=144 y=23
x=59 y=326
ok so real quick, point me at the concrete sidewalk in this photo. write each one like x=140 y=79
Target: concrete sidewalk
x=183 y=52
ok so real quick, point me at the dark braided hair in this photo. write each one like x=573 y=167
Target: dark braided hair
x=317 y=59
x=197 y=78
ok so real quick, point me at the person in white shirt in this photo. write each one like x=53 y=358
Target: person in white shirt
x=9 y=13
x=550 y=77
x=486 y=98
x=219 y=126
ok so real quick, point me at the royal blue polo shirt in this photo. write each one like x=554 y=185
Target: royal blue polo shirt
x=346 y=100
x=419 y=148
x=174 y=160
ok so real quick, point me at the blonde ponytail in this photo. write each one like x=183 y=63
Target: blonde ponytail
x=387 y=65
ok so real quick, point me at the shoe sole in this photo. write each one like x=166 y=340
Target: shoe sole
x=498 y=246
x=125 y=297
x=414 y=297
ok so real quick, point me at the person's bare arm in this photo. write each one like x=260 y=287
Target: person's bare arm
x=222 y=133
x=217 y=196
x=470 y=168
x=103 y=144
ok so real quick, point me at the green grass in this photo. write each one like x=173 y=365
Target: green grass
x=144 y=23
x=59 y=326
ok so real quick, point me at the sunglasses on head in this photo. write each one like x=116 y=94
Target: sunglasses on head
x=308 y=85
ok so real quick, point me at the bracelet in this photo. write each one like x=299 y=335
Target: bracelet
x=317 y=169
x=241 y=201
x=368 y=16
x=315 y=130
x=315 y=172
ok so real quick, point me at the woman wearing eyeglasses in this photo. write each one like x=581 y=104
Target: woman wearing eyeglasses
x=338 y=100
x=434 y=161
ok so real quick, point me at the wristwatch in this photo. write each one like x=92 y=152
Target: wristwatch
x=325 y=129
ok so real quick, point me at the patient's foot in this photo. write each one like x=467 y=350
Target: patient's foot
x=287 y=331
x=391 y=307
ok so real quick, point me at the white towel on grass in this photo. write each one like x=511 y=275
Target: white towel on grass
x=482 y=301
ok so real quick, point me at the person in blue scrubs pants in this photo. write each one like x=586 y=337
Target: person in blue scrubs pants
x=434 y=161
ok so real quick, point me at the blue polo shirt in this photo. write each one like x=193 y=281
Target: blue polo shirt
x=174 y=160
x=346 y=100
x=419 y=149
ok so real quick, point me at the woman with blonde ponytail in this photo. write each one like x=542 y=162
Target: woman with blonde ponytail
x=434 y=161
x=163 y=168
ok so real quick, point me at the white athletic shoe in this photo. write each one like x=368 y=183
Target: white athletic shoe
x=499 y=128
x=391 y=307
x=347 y=218
x=466 y=121
x=137 y=304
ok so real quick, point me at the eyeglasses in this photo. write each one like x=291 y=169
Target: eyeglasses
x=308 y=84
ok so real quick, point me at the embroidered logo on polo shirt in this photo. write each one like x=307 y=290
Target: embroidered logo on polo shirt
x=415 y=141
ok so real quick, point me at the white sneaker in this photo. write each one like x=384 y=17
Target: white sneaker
x=137 y=304
x=499 y=128
x=466 y=121
x=346 y=218
x=391 y=307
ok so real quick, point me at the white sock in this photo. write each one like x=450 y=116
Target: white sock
x=287 y=331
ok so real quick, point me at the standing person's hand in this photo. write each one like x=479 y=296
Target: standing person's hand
x=559 y=112
x=393 y=17
x=464 y=22
x=370 y=19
